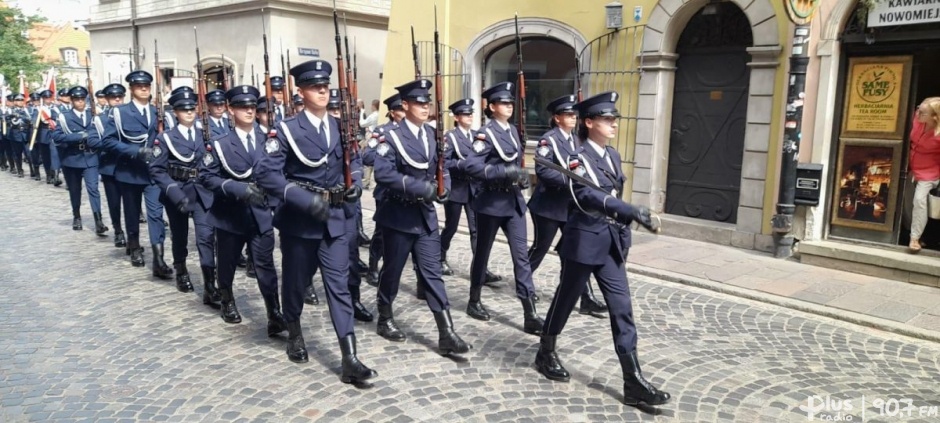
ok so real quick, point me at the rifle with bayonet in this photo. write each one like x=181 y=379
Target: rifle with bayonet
x=520 y=98
x=159 y=96
x=414 y=54
x=353 y=103
x=289 y=96
x=268 y=92
x=439 y=104
x=91 y=88
x=284 y=90
x=345 y=127
x=201 y=105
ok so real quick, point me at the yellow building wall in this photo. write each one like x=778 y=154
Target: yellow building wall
x=461 y=22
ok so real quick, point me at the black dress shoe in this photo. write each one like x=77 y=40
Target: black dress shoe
x=448 y=342
x=532 y=323
x=160 y=268
x=119 y=240
x=56 y=181
x=100 y=228
x=547 y=362
x=491 y=277
x=591 y=307
x=250 y=270
x=310 y=296
x=137 y=257
x=353 y=369
x=210 y=294
x=229 y=310
x=361 y=313
x=183 y=282
x=445 y=268
x=636 y=389
x=386 y=326
x=296 y=347
x=76 y=223
x=475 y=307
x=276 y=323
x=372 y=277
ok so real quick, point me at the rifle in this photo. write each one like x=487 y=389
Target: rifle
x=344 y=135
x=355 y=84
x=91 y=89
x=353 y=103
x=225 y=83
x=159 y=96
x=414 y=52
x=253 y=82
x=439 y=127
x=520 y=85
x=201 y=105
x=289 y=99
x=284 y=90
x=268 y=92
x=577 y=75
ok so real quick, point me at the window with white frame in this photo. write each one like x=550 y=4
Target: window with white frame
x=70 y=56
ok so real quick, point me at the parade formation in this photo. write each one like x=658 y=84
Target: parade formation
x=236 y=164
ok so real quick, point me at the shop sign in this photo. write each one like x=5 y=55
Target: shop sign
x=877 y=91
x=903 y=12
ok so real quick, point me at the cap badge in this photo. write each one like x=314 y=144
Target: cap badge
x=319 y=65
x=245 y=89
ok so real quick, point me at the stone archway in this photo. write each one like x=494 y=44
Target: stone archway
x=503 y=31
x=667 y=21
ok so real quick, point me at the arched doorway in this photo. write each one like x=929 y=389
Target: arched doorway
x=216 y=77
x=550 y=67
x=709 y=114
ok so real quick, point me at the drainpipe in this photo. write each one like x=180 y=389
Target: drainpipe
x=135 y=35
x=782 y=222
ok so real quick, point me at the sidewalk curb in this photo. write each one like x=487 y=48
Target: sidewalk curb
x=790 y=303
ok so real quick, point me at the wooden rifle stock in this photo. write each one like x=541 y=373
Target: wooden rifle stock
x=520 y=83
x=159 y=96
x=91 y=88
x=343 y=110
x=439 y=104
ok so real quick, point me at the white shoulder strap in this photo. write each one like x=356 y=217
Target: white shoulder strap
x=401 y=152
x=180 y=157
x=218 y=148
x=300 y=155
x=453 y=140
x=499 y=149
x=63 y=124
x=120 y=127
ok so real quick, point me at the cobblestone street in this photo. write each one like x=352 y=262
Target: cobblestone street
x=85 y=336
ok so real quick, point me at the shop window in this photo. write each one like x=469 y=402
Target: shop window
x=549 y=66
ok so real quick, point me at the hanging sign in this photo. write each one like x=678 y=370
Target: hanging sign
x=903 y=12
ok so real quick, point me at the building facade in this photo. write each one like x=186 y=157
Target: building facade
x=702 y=84
x=63 y=46
x=230 y=35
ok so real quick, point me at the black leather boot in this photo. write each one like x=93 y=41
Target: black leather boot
x=372 y=276
x=210 y=294
x=296 y=347
x=56 y=180
x=183 y=282
x=250 y=270
x=276 y=323
x=420 y=289
x=160 y=268
x=137 y=256
x=448 y=342
x=310 y=295
x=48 y=179
x=386 y=327
x=491 y=278
x=353 y=369
x=119 y=240
x=547 y=362
x=363 y=239
x=229 y=310
x=533 y=323
x=636 y=389
x=475 y=307
x=100 y=229
x=589 y=304
x=360 y=312
x=445 y=267
x=76 y=223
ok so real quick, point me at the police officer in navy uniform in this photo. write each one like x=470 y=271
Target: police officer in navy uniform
x=460 y=140
x=107 y=162
x=303 y=167
x=240 y=212
x=176 y=155
x=496 y=162
x=551 y=200
x=101 y=101
x=298 y=103
x=65 y=102
x=219 y=124
x=596 y=240
x=19 y=130
x=44 y=149
x=406 y=166
x=277 y=88
x=169 y=115
x=395 y=114
x=76 y=136
x=42 y=132
x=5 y=110
x=129 y=134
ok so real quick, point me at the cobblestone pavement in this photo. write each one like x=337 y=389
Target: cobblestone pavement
x=85 y=336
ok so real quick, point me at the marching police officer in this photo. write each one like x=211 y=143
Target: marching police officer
x=219 y=124
x=395 y=114
x=304 y=168
x=19 y=126
x=107 y=162
x=240 y=212
x=406 y=165
x=65 y=102
x=169 y=115
x=551 y=200
x=176 y=155
x=298 y=104
x=261 y=115
x=101 y=100
x=460 y=140
x=129 y=134
x=5 y=110
x=496 y=162
x=45 y=150
x=592 y=244
x=277 y=88
x=41 y=132
x=75 y=135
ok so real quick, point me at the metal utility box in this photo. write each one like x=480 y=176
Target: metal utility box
x=808 y=183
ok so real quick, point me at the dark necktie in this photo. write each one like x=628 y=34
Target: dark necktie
x=191 y=135
x=251 y=144
x=423 y=141
x=322 y=129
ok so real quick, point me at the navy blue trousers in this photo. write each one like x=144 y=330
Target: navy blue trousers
x=612 y=280
x=112 y=193
x=299 y=259
x=452 y=222
x=262 y=253
x=377 y=247
x=205 y=236
x=515 y=230
x=74 y=177
x=130 y=197
x=5 y=158
x=425 y=250
x=545 y=230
